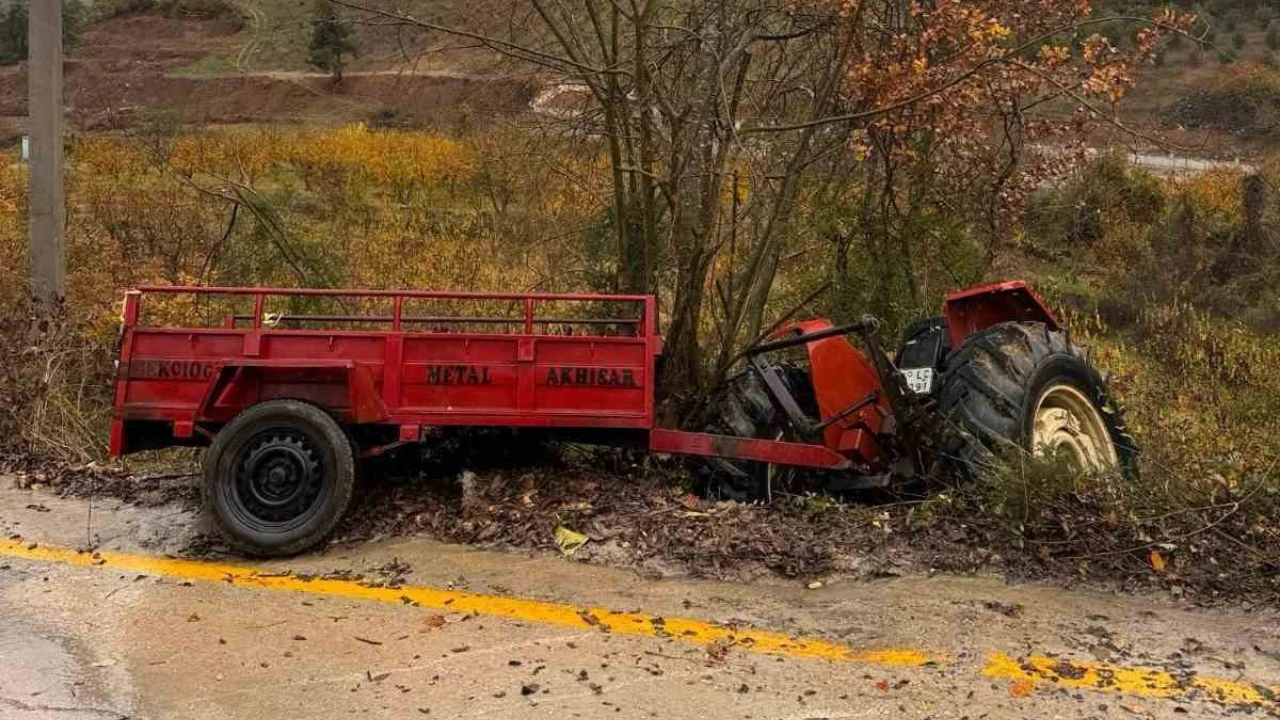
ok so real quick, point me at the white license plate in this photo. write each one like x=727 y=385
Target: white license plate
x=920 y=380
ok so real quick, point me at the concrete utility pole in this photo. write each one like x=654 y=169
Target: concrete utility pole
x=46 y=256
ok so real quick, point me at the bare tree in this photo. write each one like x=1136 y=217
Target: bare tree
x=672 y=84
x=694 y=100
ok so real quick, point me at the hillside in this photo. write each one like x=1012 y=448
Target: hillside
x=153 y=63
x=214 y=61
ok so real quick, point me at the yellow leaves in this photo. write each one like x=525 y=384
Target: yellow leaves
x=997 y=30
x=1055 y=55
x=400 y=160
x=101 y=155
x=1022 y=687
x=1096 y=48
x=1111 y=81
x=1157 y=561
x=1218 y=194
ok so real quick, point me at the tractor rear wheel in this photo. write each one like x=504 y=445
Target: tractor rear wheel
x=745 y=410
x=1022 y=385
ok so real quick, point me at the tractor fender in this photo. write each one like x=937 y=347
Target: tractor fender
x=975 y=309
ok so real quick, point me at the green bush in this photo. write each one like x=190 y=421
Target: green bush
x=1106 y=192
x=188 y=9
x=1246 y=100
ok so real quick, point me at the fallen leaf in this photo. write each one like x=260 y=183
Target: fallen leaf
x=719 y=649
x=1157 y=561
x=193 y=618
x=882 y=685
x=815 y=585
x=1022 y=687
x=569 y=541
x=433 y=621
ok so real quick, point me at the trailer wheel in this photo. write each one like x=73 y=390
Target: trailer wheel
x=278 y=477
x=1026 y=386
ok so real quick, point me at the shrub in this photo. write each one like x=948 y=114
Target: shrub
x=1246 y=100
x=1239 y=41
x=1106 y=192
x=188 y=9
x=55 y=388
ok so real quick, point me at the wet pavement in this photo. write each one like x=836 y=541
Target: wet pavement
x=413 y=628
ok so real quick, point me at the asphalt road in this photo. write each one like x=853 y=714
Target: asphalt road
x=412 y=628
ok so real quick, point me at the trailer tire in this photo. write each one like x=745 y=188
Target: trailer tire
x=1008 y=385
x=278 y=477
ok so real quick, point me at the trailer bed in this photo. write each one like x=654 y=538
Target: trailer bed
x=588 y=361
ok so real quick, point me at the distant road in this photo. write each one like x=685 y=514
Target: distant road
x=1170 y=165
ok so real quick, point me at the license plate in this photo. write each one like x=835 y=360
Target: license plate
x=919 y=380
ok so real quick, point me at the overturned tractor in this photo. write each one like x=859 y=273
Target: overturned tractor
x=995 y=375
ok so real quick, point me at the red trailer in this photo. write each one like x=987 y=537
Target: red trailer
x=291 y=388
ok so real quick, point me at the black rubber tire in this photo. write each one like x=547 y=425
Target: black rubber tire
x=993 y=382
x=309 y=430
x=744 y=410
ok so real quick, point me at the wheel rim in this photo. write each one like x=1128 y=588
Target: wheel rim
x=279 y=479
x=1068 y=425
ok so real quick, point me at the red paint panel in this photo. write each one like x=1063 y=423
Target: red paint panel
x=305 y=345
x=446 y=348
x=471 y=386
x=195 y=344
x=843 y=377
x=975 y=309
x=586 y=351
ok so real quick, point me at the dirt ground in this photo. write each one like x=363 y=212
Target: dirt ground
x=136 y=70
x=90 y=640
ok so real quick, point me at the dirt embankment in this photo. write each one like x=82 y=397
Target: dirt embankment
x=130 y=70
x=645 y=521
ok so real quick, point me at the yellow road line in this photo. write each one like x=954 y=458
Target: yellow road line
x=1139 y=682
x=686 y=630
x=1025 y=672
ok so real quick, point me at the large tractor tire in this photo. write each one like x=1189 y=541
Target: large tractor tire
x=278 y=477
x=744 y=409
x=1020 y=386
